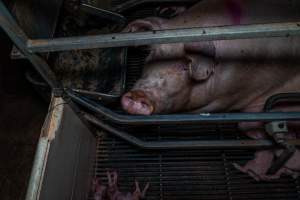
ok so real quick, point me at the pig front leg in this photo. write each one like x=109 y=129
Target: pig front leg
x=258 y=167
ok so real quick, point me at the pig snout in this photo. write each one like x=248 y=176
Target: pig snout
x=137 y=102
x=164 y=87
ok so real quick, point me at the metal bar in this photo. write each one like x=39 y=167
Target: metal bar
x=181 y=118
x=165 y=36
x=133 y=3
x=9 y=25
x=39 y=164
x=281 y=97
x=200 y=144
x=106 y=14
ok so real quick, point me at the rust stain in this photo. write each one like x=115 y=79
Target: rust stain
x=37 y=42
x=54 y=117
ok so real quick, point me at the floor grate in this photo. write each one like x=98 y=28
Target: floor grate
x=190 y=174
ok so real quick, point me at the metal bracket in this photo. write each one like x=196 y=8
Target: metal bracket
x=277 y=130
x=16 y=53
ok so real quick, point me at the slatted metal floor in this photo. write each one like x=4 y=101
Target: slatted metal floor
x=186 y=174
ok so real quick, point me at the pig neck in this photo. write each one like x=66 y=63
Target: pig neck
x=237 y=85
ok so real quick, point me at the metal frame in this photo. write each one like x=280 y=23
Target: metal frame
x=195 y=144
x=65 y=143
x=29 y=47
x=180 y=118
x=20 y=39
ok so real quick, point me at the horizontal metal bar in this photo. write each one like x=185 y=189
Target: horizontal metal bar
x=180 y=118
x=194 y=144
x=165 y=36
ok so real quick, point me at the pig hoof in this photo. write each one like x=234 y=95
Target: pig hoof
x=136 y=102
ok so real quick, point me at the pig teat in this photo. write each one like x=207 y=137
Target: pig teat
x=136 y=102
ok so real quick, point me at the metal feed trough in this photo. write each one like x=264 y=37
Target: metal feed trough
x=70 y=108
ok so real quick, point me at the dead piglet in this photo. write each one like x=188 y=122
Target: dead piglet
x=114 y=193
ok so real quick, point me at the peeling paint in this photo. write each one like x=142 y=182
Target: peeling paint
x=54 y=117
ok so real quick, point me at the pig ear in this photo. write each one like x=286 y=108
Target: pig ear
x=147 y=24
x=200 y=67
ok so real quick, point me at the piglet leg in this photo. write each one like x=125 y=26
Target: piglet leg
x=138 y=194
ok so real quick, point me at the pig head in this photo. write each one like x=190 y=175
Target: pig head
x=167 y=85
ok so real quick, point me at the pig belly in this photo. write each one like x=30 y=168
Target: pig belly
x=234 y=12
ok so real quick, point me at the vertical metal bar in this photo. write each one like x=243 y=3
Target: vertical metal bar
x=39 y=164
x=9 y=25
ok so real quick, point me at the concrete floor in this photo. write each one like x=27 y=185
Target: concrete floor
x=22 y=113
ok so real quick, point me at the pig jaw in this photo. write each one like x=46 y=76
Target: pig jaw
x=137 y=102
